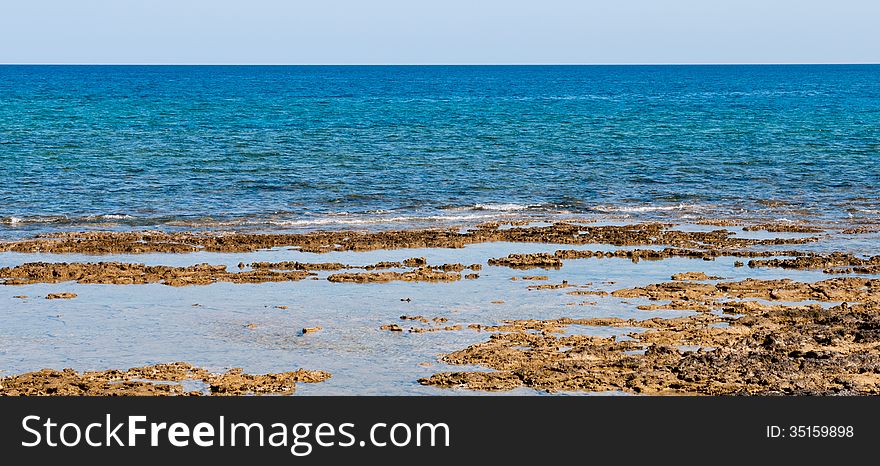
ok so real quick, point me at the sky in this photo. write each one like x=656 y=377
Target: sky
x=439 y=31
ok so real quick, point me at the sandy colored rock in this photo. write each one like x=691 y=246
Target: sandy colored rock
x=720 y=222
x=384 y=265
x=678 y=306
x=835 y=289
x=732 y=345
x=587 y=293
x=637 y=255
x=415 y=262
x=783 y=227
x=770 y=349
x=422 y=274
x=139 y=242
x=235 y=383
x=422 y=319
x=866 y=270
x=333 y=266
x=861 y=230
x=64 y=295
x=551 y=286
x=432 y=324
x=294 y=265
x=831 y=263
x=119 y=273
x=447 y=267
x=445 y=328
x=528 y=261
x=160 y=379
x=693 y=276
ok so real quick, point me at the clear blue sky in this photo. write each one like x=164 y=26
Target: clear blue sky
x=439 y=31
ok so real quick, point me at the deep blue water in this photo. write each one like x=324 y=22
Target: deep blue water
x=271 y=147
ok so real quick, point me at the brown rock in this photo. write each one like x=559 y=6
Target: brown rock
x=417 y=275
x=415 y=262
x=693 y=276
x=160 y=379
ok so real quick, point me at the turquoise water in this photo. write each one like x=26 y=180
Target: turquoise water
x=301 y=147
x=121 y=326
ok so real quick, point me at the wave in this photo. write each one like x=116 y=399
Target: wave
x=287 y=220
x=473 y=213
x=652 y=208
x=337 y=220
x=506 y=207
x=451 y=215
x=61 y=219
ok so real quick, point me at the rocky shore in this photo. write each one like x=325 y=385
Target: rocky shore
x=323 y=241
x=159 y=379
x=730 y=337
x=728 y=348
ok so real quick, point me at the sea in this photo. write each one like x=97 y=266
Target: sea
x=278 y=148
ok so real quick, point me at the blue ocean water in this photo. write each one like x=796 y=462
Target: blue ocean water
x=325 y=146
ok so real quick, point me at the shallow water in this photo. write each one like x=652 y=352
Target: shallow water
x=305 y=148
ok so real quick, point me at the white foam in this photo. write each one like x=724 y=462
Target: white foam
x=505 y=207
x=651 y=208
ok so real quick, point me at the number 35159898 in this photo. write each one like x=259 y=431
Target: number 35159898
x=810 y=431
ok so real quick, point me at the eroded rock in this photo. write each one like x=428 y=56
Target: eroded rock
x=159 y=379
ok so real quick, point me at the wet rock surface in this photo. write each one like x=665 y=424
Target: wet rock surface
x=693 y=276
x=784 y=227
x=160 y=379
x=528 y=261
x=118 y=273
x=551 y=286
x=424 y=325
x=555 y=260
x=727 y=336
x=700 y=245
x=103 y=242
x=835 y=289
x=422 y=274
x=830 y=263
